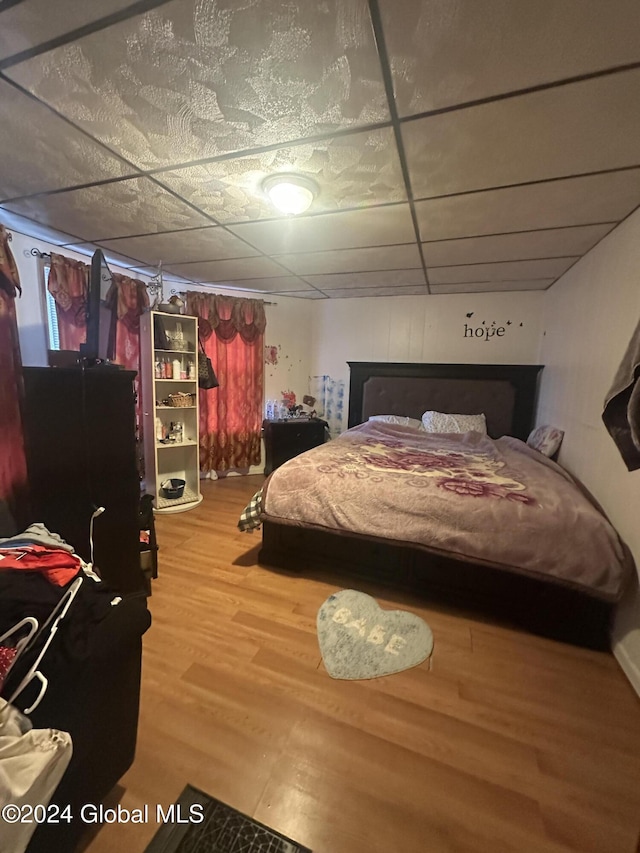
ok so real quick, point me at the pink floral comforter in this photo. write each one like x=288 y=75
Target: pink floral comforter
x=467 y=496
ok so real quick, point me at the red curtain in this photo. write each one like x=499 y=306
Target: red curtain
x=69 y=285
x=232 y=333
x=13 y=466
x=128 y=298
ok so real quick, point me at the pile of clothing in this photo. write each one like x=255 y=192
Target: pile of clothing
x=37 y=571
x=69 y=690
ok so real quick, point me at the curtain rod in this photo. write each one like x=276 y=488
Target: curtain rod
x=175 y=292
x=36 y=253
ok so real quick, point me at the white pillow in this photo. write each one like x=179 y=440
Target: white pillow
x=440 y=422
x=399 y=420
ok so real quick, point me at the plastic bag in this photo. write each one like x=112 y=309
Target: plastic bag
x=32 y=763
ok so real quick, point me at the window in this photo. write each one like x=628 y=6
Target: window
x=52 y=315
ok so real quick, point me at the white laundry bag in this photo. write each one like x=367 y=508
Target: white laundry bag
x=32 y=762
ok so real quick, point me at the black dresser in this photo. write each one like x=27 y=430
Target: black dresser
x=80 y=444
x=284 y=439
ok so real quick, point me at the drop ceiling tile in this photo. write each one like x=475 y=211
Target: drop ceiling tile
x=575 y=201
x=553 y=243
x=509 y=271
x=34 y=229
x=355 y=170
x=357 y=293
x=41 y=152
x=278 y=284
x=352 y=260
x=111 y=210
x=569 y=130
x=445 y=53
x=285 y=285
x=375 y=226
x=31 y=23
x=386 y=278
x=229 y=270
x=191 y=80
x=199 y=244
x=492 y=286
x=307 y=294
x=111 y=257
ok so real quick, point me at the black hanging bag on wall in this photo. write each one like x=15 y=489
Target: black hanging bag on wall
x=206 y=375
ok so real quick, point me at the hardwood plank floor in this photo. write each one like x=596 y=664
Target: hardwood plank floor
x=502 y=742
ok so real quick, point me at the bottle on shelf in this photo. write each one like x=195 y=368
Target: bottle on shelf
x=175 y=369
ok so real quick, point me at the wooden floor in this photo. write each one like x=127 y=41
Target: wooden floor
x=506 y=742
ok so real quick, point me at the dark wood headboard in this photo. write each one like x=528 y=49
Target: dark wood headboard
x=505 y=393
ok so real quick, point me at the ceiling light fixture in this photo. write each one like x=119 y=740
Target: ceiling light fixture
x=292 y=194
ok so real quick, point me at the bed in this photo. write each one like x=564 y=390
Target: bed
x=487 y=523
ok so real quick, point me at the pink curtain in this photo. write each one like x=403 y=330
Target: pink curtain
x=13 y=466
x=128 y=298
x=69 y=285
x=232 y=333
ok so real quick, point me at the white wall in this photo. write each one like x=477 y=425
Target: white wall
x=426 y=328
x=289 y=325
x=589 y=316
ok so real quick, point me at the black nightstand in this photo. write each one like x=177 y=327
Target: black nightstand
x=287 y=438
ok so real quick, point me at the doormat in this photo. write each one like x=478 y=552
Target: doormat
x=358 y=639
x=210 y=826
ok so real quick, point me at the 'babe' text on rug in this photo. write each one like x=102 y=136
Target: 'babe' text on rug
x=360 y=640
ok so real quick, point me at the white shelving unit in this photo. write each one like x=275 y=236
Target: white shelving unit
x=166 y=459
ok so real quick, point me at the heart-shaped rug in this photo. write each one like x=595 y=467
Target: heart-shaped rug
x=358 y=639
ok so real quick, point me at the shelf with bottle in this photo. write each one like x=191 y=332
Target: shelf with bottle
x=183 y=368
x=176 y=433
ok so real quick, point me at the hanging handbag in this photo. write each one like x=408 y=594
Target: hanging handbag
x=206 y=375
